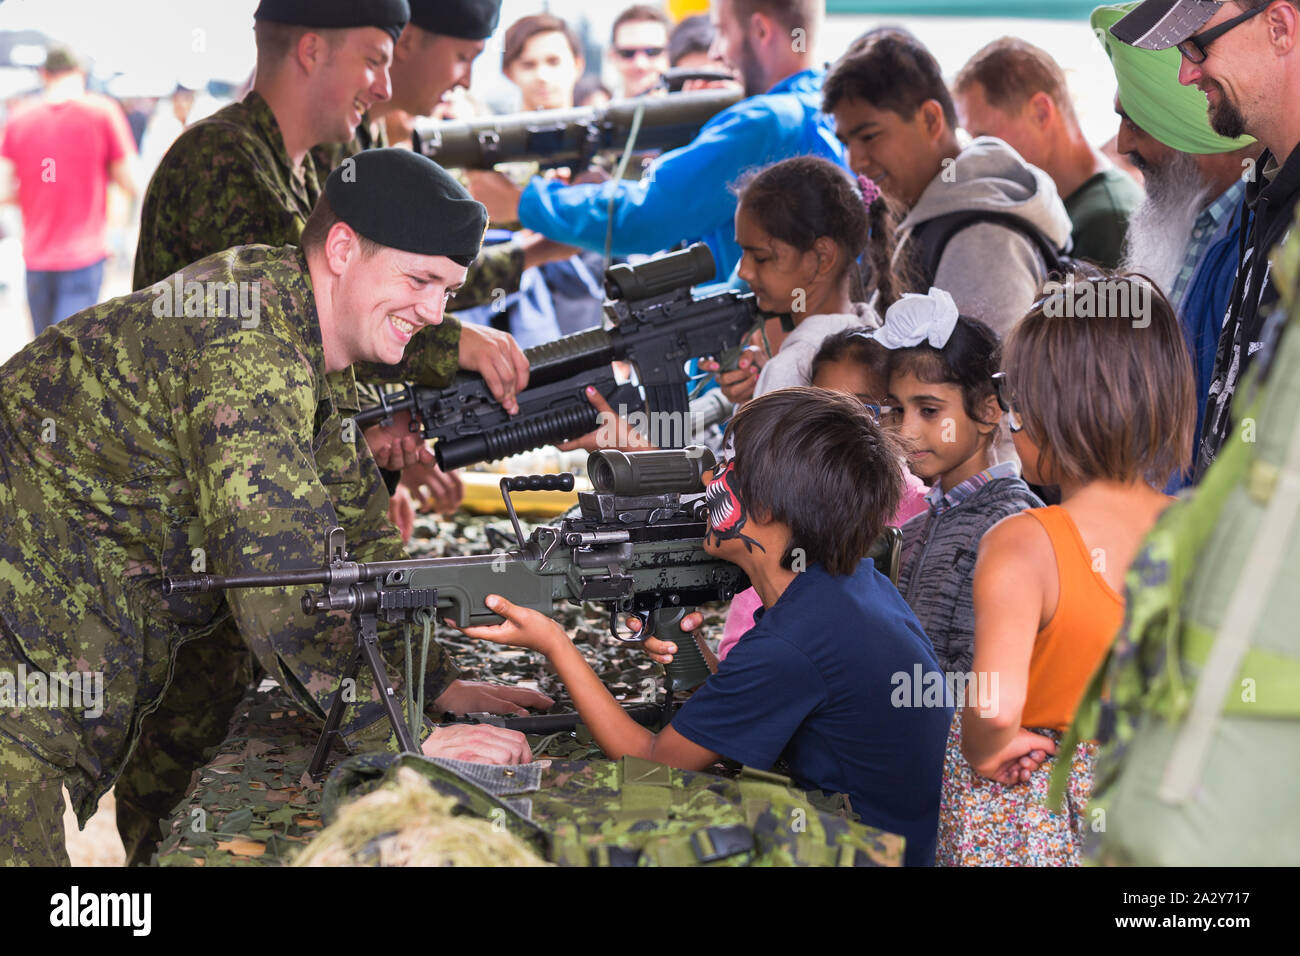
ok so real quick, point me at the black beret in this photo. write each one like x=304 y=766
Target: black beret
x=389 y=15
x=406 y=201
x=466 y=19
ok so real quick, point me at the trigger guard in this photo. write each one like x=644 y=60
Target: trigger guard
x=642 y=616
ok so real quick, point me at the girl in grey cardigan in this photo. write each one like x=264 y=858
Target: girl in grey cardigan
x=944 y=402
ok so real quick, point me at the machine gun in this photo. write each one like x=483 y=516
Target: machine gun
x=658 y=325
x=571 y=137
x=636 y=547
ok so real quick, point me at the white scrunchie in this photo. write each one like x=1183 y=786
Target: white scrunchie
x=914 y=319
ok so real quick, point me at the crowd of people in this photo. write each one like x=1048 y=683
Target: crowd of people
x=986 y=334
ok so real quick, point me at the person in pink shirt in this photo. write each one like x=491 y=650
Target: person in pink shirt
x=65 y=147
x=845 y=362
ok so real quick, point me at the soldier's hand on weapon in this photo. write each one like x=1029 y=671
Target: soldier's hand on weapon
x=738 y=384
x=395 y=446
x=474 y=697
x=608 y=422
x=498 y=358
x=401 y=512
x=497 y=192
x=663 y=651
x=478 y=743
x=538 y=250
x=433 y=489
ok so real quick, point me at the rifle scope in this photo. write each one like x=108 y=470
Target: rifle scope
x=637 y=473
x=677 y=270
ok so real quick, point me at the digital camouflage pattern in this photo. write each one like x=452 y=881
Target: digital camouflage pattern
x=227 y=181
x=134 y=445
x=31 y=791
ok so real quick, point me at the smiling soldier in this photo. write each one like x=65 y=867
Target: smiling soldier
x=131 y=444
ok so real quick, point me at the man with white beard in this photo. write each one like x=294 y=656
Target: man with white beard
x=1185 y=233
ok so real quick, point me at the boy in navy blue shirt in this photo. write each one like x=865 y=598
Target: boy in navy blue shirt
x=815 y=681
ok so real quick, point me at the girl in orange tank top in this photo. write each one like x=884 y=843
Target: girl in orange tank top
x=1104 y=407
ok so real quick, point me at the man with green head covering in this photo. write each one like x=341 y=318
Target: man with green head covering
x=1185 y=233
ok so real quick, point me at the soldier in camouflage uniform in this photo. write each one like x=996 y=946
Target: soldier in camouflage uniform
x=232 y=179
x=209 y=422
x=238 y=177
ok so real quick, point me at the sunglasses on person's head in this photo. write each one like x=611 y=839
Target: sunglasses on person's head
x=630 y=52
x=1007 y=401
x=1196 y=48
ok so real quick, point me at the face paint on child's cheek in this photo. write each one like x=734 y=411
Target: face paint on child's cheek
x=726 y=514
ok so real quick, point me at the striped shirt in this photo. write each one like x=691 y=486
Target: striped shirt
x=1207 y=224
x=939 y=502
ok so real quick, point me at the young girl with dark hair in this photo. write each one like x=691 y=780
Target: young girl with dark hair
x=1105 y=408
x=802 y=225
x=943 y=401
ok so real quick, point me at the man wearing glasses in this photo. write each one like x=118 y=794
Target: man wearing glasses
x=639 y=48
x=1243 y=56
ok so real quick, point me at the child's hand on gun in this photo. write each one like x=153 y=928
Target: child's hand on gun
x=662 y=651
x=738 y=384
x=626 y=437
x=522 y=627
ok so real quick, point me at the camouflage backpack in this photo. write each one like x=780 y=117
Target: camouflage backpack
x=1197 y=706
x=628 y=812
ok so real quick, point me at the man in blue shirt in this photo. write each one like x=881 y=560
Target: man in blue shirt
x=686 y=193
x=815 y=682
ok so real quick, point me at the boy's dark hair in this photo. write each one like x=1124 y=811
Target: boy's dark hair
x=1010 y=71
x=1109 y=398
x=525 y=28
x=893 y=71
x=969 y=359
x=799 y=200
x=640 y=13
x=801 y=454
x=850 y=345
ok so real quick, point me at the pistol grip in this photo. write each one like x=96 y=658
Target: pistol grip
x=688 y=668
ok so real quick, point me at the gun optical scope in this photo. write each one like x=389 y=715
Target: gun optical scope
x=637 y=473
x=671 y=273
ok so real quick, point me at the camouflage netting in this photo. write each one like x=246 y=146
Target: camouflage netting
x=407 y=823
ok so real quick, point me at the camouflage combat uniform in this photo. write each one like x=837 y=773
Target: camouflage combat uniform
x=127 y=441
x=227 y=181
